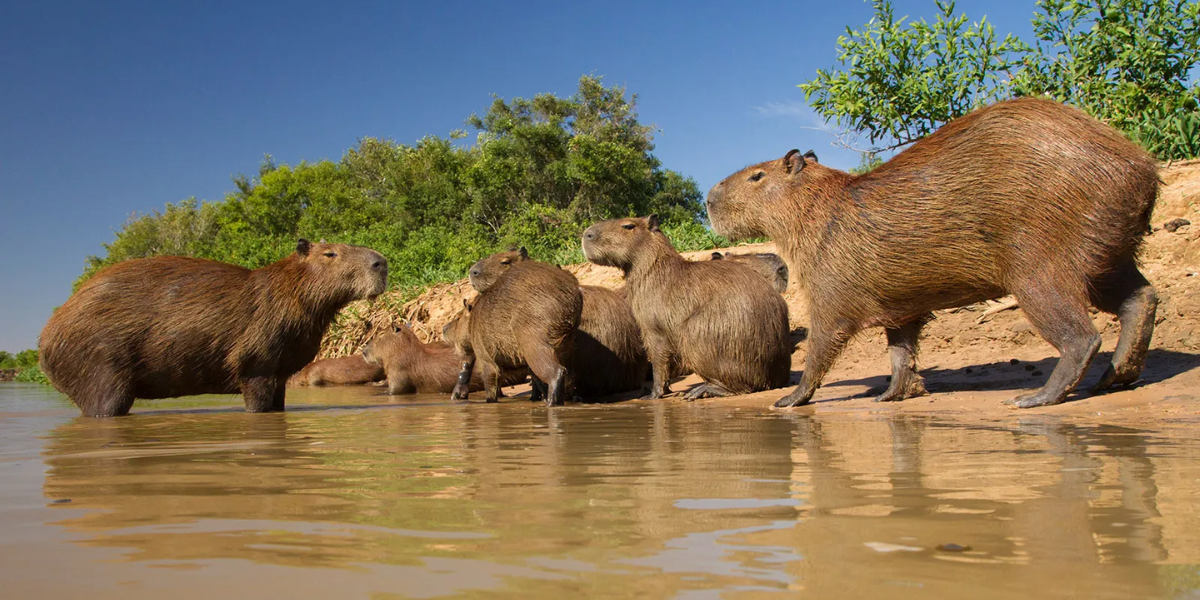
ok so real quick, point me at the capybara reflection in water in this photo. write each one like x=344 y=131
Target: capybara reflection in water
x=528 y=318
x=1025 y=197
x=768 y=265
x=609 y=356
x=414 y=367
x=344 y=370
x=715 y=318
x=172 y=326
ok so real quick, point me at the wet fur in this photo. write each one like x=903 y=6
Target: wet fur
x=1027 y=197
x=345 y=370
x=172 y=326
x=414 y=367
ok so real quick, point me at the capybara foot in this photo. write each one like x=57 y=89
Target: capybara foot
x=897 y=392
x=1113 y=377
x=706 y=390
x=1034 y=399
x=459 y=393
x=796 y=398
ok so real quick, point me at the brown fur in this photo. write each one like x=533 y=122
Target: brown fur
x=414 y=367
x=715 y=318
x=1027 y=197
x=345 y=370
x=609 y=356
x=768 y=265
x=172 y=326
x=528 y=317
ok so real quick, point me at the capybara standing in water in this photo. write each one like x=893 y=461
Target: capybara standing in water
x=344 y=370
x=609 y=356
x=172 y=326
x=528 y=318
x=1025 y=197
x=715 y=318
x=768 y=265
x=414 y=367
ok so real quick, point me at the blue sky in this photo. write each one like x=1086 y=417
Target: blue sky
x=110 y=109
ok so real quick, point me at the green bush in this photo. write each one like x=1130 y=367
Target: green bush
x=32 y=374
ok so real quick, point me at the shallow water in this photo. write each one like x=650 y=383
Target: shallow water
x=352 y=494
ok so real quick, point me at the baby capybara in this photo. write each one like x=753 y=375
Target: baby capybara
x=528 y=318
x=609 y=356
x=172 y=326
x=1025 y=197
x=414 y=367
x=344 y=370
x=768 y=265
x=717 y=319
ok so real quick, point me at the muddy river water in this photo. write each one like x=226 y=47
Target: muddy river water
x=352 y=494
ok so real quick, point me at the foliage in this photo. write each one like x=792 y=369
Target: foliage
x=539 y=172
x=903 y=80
x=1126 y=62
x=22 y=359
x=32 y=374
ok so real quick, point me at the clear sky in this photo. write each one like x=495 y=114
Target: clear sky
x=115 y=108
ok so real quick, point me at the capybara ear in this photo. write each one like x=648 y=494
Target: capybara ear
x=717 y=256
x=523 y=252
x=793 y=161
x=303 y=246
x=652 y=222
x=810 y=155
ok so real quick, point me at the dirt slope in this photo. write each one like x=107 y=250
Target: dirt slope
x=962 y=350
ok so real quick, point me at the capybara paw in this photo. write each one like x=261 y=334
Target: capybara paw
x=1125 y=377
x=492 y=400
x=1034 y=399
x=896 y=393
x=791 y=400
x=458 y=394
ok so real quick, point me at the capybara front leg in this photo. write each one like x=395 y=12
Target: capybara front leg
x=491 y=382
x=462 y=387
x=537 y=389
x=658 y=350
x=259 y=394
x=902 y=349
x=824 y=345
x=1128 y=295
x=277 y=399
x=399 y=383
x=1065 y=324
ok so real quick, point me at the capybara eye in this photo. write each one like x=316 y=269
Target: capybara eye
x=628 y=226
x=331 y=255
x=757 y=176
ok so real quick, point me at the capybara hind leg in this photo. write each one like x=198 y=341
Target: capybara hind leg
x=1128 y=295
x=902 y=348
x=824 y=345
x=107 y=396
x=1064 y=322
x=556 y=388
x=491 y=382
x=706 y=390
x=259 y=394
x=544 y=365
x=537 y=389
x=277 y=399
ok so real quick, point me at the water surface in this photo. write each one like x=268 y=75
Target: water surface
x=352 y=494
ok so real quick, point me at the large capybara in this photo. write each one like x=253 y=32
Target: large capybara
x=717 y=319
x=414 y=367
x=1025 y=197
x=172 y=326
x=528 y=317
x=767 y=264
x=344 y=370
x=609 y=355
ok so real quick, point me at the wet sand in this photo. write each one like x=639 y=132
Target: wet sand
x=354 y=494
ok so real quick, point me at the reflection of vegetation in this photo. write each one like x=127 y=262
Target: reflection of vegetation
x=1180 y=581
x=539 y=171
x=1129 y=63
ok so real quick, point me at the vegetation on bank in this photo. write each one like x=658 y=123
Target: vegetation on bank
x=1130 y=63
x=538 y=172
x=25 y=363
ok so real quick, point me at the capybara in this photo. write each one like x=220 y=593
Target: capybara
x=345 y=370
x=172 y=326
x=1026 y=197
x=717 y=319
x=609 y=356
x=767 y=264
x=528 y=317
x=414 y=367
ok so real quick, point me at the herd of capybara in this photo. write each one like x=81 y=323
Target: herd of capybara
x=1026 y=197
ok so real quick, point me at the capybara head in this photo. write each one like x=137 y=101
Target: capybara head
x=484 y=273
x=739 y=203
x=377 y=349
x=617 y=242
x=341 y=270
